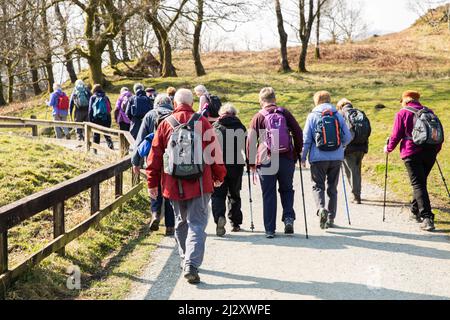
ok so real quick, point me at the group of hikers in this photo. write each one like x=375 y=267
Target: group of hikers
x=196 y=157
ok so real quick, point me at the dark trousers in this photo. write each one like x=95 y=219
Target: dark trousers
x=231 y=188
x=352 y=166
x=284 y=177
x=157 y=207
x=81 y=115
x=124 y=126
x=105 y=123
x=419 y=167
x=325 y=176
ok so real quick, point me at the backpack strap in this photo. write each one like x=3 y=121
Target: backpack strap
x=173 y=122
x=412 y=110
x=195 y=117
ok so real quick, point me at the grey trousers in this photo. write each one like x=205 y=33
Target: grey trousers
x=61 y=132
x=326 y=173
x=81 y=115
x=352 y=166
x=191 y=219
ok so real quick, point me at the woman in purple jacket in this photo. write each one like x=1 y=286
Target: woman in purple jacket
x=419 y=160
x=121 y=105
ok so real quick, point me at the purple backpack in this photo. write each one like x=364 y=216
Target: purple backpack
x=278 y=138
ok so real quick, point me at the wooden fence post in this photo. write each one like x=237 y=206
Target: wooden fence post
x=34 y=129
x=95 y=199
x=123 y=145
x=135 y=178
x=3 y=252
x=59 y=224
x=87 y=136
x=119 y=185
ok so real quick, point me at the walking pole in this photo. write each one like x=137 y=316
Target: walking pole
x=251 y=198
x=443 y=178
x=345 y=194
x=385 y=183
x=303 y=196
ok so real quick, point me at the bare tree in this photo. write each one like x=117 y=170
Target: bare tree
x=432 y=12
x=199 y=69
x=308 y=11
x=283 y=38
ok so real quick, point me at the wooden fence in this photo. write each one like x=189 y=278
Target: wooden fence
x=54 y=198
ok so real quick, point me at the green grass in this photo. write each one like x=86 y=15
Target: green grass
x=121 y=245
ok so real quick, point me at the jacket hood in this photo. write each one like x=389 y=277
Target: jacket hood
x=126 y=94
x=326 y=106
x=100 y=94
x=231 y=122
x=141 y=93
x=164 y=107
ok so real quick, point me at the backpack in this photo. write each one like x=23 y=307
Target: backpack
x=278 y=138
x=100 y=108
x=145 y=146
x=328 y=132
x=359 y=125
x=183 y=158
x=81 y=98
x=141 y=105
x=213 y=107
x=63 y=102
x=428 y=128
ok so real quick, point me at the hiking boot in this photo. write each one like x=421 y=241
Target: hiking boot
x=68 y=136
x=323 y=218
x=357 y=200
x=416 y=218
x=155 y=222
x=288 y=226
x=220 y=230
x=170 y=231
x=427 y=225
x=236 y=229
x=270 y=235
x=330 y=223
x=191 y=274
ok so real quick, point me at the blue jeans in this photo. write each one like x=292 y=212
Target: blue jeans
x=285 y=178
x=169 y=216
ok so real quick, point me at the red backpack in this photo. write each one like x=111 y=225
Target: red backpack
x=63 y=102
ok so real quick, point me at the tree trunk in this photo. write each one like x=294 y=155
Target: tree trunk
x=123 y=45
x=35 y=81
x=113 y=60
x=283 y=39
x=50 y=74
x=10 y=75
x=65 y=42
x=318 y=55
x=96 y=72
x=199 y=69
x=2 y=97
x=48 y=56
x=303 y=56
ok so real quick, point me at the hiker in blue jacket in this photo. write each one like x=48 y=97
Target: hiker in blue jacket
x=325 y=149
x=60 y=104
x=162 y=109
x=79 y=100
x=100 y=113
x=138 y=106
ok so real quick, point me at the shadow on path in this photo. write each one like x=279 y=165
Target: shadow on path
x=320 y=290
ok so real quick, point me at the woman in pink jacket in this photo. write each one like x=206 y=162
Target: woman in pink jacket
x=419 y=160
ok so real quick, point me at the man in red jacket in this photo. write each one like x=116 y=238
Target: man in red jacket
x=189 y=199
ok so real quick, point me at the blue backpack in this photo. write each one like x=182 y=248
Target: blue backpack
x=100 y=108
x=328 y=132
x=145 y=146
x=81 y=97
x=141 y=105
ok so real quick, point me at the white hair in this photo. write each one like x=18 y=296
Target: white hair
x=56 y=86
x=228 y=108
x=201 y=89
x=124 y=89
x=184 y=96
x=79 y=83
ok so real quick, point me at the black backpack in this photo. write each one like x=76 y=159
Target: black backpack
x=359 y=125
x=141 y=105
x=214 y=105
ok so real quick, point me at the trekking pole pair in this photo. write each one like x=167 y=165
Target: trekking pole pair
x=443 y=178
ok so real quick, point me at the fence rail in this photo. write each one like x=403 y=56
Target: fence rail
x=55 y=197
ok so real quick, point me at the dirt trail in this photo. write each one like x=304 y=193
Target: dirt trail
x=368 y=260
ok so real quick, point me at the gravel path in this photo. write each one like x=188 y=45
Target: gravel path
x=368 y=260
